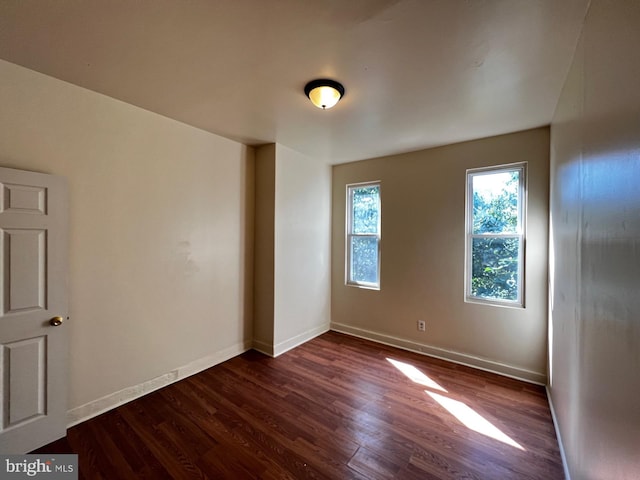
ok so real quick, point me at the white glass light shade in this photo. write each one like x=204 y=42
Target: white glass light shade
x=324 y=97
x=324 y=93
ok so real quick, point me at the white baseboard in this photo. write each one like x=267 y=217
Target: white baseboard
x=293 y=342
x=556 y=425
x=96 y=407
x=263 y=347
x=441 y=353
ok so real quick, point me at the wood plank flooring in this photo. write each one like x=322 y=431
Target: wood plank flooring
x=333 y=408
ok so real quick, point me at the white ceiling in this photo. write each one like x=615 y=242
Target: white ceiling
x=417 y=73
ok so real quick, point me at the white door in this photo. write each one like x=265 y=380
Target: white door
x=33 y=309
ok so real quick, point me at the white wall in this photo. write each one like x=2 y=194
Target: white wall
x=302 y=248
x=161 y=227
x=422 y=258
x=595 y=245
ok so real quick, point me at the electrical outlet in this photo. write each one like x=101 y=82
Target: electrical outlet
x=422 y=326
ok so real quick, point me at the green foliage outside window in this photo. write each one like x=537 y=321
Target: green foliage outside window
x=495 y=268
x=365 y=222
x=495 y=246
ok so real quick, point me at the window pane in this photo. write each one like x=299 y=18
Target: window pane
x=495 y=202
x=495 y=268
x=365 y=203
x=364 y=259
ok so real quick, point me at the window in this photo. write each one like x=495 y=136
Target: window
x=495 y=235
x=363 y=235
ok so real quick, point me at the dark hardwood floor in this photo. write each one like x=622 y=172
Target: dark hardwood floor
x=333 y=408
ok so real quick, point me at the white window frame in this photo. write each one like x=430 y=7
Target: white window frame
x=520 y=233
x=350 y=235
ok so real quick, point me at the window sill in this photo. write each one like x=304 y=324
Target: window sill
x=495 y=303
x=363 y=286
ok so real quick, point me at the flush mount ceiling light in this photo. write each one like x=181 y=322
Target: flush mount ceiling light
x=324 y=93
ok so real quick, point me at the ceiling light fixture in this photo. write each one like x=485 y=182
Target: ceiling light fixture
x=324 y=93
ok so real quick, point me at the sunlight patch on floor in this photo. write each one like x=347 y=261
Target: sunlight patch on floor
x=473 y=420
x=465 y=414
x=415 y=375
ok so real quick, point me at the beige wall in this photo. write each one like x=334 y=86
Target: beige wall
x=161 y=220
x=292 y=286
x=422 y=258
x=595 y=245
x=264 y=273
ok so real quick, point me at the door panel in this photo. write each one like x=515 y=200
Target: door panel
x=26 y=389
x=24 y=198
x=24 y=265
x=33 y=290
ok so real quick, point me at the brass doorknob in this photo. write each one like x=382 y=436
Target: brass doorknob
x=55 y=321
